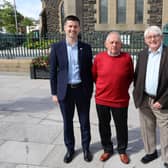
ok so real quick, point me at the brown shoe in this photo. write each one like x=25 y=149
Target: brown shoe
x=105 y=156
x=124 y=158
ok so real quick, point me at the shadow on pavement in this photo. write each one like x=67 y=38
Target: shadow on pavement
x=28 y=104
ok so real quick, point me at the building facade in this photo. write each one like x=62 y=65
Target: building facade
x=104 y=15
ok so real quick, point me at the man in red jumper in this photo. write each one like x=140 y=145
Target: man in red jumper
x=113 y=73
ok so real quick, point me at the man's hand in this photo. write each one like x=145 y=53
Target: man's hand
x=55 y=99
x=157 y=105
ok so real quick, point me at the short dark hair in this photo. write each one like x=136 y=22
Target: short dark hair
x=72 y=18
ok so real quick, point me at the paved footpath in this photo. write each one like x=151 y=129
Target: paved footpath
x=31 y=130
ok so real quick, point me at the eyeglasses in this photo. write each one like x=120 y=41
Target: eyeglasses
x=154 y=36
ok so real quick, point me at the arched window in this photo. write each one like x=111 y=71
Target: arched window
x=139 y=5
x=103 y=11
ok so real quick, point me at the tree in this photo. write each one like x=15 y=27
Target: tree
x=7 y=18
x=26 y=22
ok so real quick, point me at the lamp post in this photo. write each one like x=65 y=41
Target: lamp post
x=16 y=24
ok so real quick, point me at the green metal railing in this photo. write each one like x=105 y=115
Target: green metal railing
x=133 y=42
x=22 y=46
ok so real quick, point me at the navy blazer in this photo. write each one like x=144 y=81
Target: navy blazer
x=140 y=75
x=59 y=68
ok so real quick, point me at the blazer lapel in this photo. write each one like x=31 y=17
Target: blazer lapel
x=80 y=53
x=64 y=54
x=145 y=60
x=162 y=61
x=143 y=65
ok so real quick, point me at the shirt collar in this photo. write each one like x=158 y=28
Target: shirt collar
x=159 y=50
x=74 y=45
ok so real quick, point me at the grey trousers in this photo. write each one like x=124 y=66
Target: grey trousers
x=149 y=119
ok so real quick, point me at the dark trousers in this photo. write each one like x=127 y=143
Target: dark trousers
x=120 y=121
x=76 y=97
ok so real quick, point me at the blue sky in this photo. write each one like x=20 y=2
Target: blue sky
x=28 y=8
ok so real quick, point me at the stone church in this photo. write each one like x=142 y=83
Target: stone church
x=104 y=15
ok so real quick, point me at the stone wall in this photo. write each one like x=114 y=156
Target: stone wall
x=86 y=11
x=52 y=15
x=155 y=12
x=15 y=65
x=89 y=15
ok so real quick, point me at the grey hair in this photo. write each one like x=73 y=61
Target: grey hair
x=154 y=29
x=113 y=32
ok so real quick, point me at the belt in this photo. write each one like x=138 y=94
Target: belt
x=73 y=86
x=151 y=96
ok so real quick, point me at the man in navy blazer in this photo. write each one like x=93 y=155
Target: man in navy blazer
x=72 y=85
